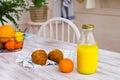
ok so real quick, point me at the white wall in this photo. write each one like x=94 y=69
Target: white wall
x=106 y=20
x=105 y=17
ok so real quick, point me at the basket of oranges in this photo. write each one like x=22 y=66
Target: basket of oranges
x=10 y=40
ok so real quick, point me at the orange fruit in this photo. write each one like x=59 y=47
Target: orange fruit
x=18 y=45
x=10 y=45
x=6 y=33
x=66 y=65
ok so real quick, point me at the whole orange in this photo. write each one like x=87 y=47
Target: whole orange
x=10 y=45
x=18 y=45
x=66 y=65
x=6 y=33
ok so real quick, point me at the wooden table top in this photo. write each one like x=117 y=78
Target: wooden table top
x=108 y=66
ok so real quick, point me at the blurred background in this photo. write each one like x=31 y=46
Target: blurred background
x=104 y=14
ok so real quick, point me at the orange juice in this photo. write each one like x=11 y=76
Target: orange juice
x=87 y=58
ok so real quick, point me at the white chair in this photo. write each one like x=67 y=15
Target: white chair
x=60 y=29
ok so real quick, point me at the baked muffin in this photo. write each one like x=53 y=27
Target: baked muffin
x=55 y=55
x=39 y=57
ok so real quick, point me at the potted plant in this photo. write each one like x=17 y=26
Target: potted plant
x=38 y=11
x=11 y=10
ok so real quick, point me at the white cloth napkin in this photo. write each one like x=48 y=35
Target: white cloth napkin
x=27 y=62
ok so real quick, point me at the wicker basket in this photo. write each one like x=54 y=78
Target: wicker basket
x=38 y=14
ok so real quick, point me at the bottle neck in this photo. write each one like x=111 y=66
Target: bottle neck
x=87 y=36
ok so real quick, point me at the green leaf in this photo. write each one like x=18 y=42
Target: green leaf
x=9 y=9
x=11 y=19
x=4 y=20
x=39 y=3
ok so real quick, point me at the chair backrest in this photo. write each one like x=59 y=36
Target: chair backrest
x=60 y=29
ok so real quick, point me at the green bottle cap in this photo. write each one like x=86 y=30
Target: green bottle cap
x=87 y=26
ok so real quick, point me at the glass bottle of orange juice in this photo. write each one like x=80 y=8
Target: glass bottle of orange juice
x=87 y=51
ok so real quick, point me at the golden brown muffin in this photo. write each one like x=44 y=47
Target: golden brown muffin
x=39 y=57
x=55 y=55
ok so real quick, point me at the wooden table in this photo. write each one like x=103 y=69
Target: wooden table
x=108 y=68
